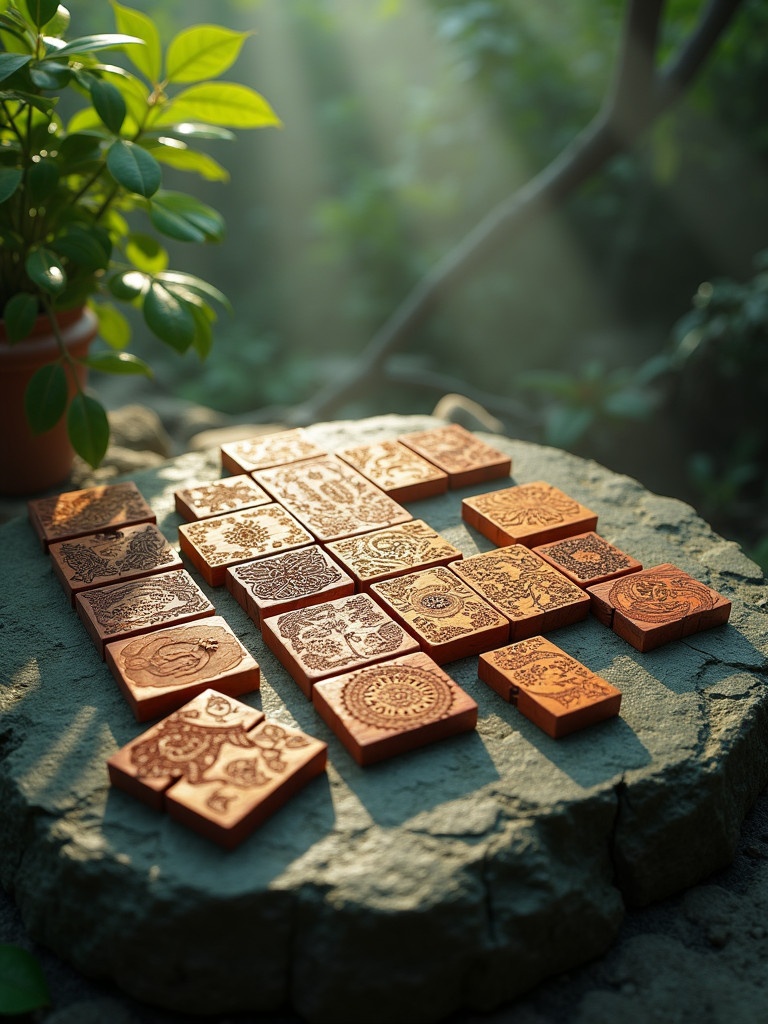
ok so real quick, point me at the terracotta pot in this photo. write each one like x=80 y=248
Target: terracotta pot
x=32 y=463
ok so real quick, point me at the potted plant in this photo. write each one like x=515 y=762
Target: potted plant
x=87 y=126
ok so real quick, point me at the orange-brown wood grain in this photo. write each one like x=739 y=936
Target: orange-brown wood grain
x=77 y=513
x=458 y=452
x=531 y=514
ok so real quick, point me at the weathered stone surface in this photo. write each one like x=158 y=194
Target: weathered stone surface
x=458 y=875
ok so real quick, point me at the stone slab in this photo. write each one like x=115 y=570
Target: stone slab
x=451 y=877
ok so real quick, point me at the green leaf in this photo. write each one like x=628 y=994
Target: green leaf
x=50 y=75
x=82 y=247
x=195 y=130
x=146 y=253
x=10 y=179
x=128 y=285
x=88 y=44
x=118 y=362
x=184 y=159
x=109 y=103
x=186 y=219
x=134 y=168
x=113 y=326
x=88 y=428
x=202 y=52
x=19 y=314
x=226 y=104
x=45 y=270
x=23 y=987
x=203 y=340
x=169 y=318
x=46 y=397
x=42 y=179
x=11 y=62
x=194 y=284
x=147 y=58
x=41 y=11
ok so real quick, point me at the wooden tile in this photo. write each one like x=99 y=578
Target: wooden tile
x=383 y=710
x=554 y=690
x=529 y=514
x=265 y=450
x=657 y=605
x=531 y=593
x=447 y=617
x=331 y=498
x=465 y=458
x=282 y=583
x=230 y=494
x=218 y=767
x=123 y=610
x=383 y=554
x=161 y=670
x=397 y=470
x=110 y=557
x=76 y=513
x=334 y=637
x=213 y=544
x=588 y=559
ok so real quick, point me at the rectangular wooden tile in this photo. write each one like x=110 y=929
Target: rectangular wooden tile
x=331 y=498
x=282 y=583
x=448 y=618
x=555 y=691
x=530 y=514
x=76 y=513
x=111 y=556
x=334 y=637
x=383 y=554
x=657 y=605
x=122 y=610
x=458 y=452
x=531 y=593
x=230 y=494
x=162 y=670
x=397 y=470
x=588 y=559
x=265 y=450
x=213 y=544
x=398 y=705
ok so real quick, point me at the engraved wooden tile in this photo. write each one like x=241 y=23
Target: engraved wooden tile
x=386 y=709
x=161 y=670
x=531 y=593
x=331 y=498
x=657 y=605
x=334 y=637
x=76 y=513
x=282 y=583
x=213 y=544
x=552 y=689
x=397 y=470
x=530 y=514
x=229 y=494
x=111 y=556
x=459 y=453
x=265 y=450
x=588 y=559
x=218 y=767
x=122 y=610
x=448 y=618
x=383 y=554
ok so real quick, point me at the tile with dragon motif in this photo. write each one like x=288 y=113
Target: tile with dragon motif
x=76 y=513
x=264 y=450
x=530 y=514
x=229 y=494
x=588 y=559
x=397 y=470
x=461 y=454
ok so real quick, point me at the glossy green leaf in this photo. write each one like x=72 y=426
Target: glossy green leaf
x=113 y=326
x=46 y=397
x=109 y=103
x=42 y=179
x=79 y=149
x=134 y=168
x=147 y=58
x=88 y=428
x=128 y=285
x=226 y=104
x=23 y=987
x=19 y=314
x=175 y=278
x=184 y=159
x=119 y=363
x=202 y=52
x=203 y=340
x=45 y=270
x=82 y=248
x=11 y=62
x=146 y=253
x=198 y=130
x=185 y=218
x=50 y=74
x=90 y=44
x=169 y=318
x=41 y=11
x=10 y=179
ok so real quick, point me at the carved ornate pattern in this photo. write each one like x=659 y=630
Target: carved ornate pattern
x=242 y=535
x=400 y=547
x=148 y=602
x=292 y=575
x=517 y=580
x=660 y=595
x=397 y=696
x=537 y=504
x=547 y=672
x=89 y=510
x=453 y=448
x=223 y=496
x=276 y=449
x=439 y=605
x=389 y=464
x=588 y=556
x=175 y=657
x=113 y=552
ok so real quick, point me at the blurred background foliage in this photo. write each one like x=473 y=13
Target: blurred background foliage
x=630 y=325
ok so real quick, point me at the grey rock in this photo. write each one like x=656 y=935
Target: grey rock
x=139 y=428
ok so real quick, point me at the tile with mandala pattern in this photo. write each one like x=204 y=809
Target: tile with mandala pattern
x=76 y=513
x=397 y=470
x=458 y=452
x=530 y=514
x=265 y=450
x=229 y=494
x=588 y=559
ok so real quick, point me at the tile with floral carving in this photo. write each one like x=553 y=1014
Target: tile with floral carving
x=657 y=605
x=159 y=671
x=218 y=766
x=384 y=710
x=121 y=610
x=458 y=452
x=530 y=592
x=588 y=559
x=448 y=618
x=265 y=450
x=282 y=583
x=331 y=498
x=213 y=544
x=229 y=494
x=397 y=470
x=530 y=514
x=76 y=513
x=334 y=637
x=555 y=691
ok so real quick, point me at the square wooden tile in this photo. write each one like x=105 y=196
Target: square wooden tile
x=331 y=498
x=76 y=513
x=386 y=709
x=383 y=554
x=121 y=610
x=531 y=593
x=218 y=766
x=161 y=670
x=652 y=607
x=448 y=618
x=282 y=583
x=588 y=559
x=265 y=450
x=111 y=556
x=334 y=637
x=459 y=453
x=529 y=514
x=213 y=544
x=552 y=689
x=397 y=470
x=230 y=494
